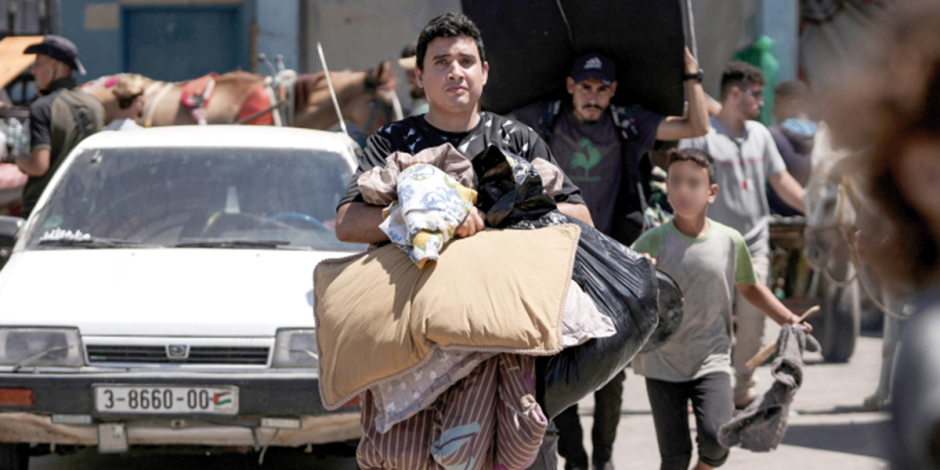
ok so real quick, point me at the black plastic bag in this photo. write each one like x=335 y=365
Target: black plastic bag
x=670 y=311
x=622 y=283
x=509 y=192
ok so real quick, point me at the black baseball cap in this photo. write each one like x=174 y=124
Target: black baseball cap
x=594 y=65
x=60 y=49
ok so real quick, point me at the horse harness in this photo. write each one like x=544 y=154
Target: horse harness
x=278 y=93
x=848 y=194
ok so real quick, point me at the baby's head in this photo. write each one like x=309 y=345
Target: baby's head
x=691 y=181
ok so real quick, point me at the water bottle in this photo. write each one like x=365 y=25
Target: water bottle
x=15 y=138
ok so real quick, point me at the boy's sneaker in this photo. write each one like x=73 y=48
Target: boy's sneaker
x=604 y=466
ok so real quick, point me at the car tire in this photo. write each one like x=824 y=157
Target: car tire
x=839 y=323
x=14 y=456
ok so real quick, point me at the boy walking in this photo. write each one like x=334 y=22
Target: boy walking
x=708 y=260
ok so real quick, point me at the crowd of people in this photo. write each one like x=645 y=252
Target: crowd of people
x=720 y=262
x=725 y=174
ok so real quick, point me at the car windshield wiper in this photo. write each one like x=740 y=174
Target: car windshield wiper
x=94 y=242
x=233 y=243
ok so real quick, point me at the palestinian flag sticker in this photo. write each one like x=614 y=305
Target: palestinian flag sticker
x=223 y=401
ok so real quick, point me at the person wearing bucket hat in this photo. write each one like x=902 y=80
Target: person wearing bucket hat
x=59 y=119
x=604 y=149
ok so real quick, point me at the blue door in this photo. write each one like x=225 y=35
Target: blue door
x=174 y=44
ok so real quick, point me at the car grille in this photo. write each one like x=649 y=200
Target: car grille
x=197 y=355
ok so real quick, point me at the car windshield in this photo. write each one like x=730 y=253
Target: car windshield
x=196 y=197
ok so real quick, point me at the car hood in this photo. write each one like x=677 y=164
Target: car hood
x=161 y=292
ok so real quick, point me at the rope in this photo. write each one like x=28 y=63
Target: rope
x=156 y=101
x=565 y=19
x=846 y=191
x=692 y=30
x=329 y=83
x=853 y=255
x=265 y=449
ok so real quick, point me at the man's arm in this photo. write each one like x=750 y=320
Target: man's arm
x=788 y=189
x=358 y=222
x=760 y=297
x=36 y=164
x=578 y=211
x=40 y=140
x=696 y=122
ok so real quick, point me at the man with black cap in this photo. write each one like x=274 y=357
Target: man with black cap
x=59 y=119
x=604 y=149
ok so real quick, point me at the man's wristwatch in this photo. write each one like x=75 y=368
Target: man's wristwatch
x=700 y=75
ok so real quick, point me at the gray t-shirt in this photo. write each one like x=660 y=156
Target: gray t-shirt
x=744 y=163
x=590 y=155
x=706 y=269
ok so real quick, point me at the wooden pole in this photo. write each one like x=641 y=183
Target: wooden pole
x=329 y=83
x=768 y=350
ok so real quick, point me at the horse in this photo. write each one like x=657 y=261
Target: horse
x=367 y=99
x=832 y=205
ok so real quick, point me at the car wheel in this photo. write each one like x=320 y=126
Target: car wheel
x=14 y=456
x=838 y=325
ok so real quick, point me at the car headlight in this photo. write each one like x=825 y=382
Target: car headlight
x=296 y=348
x=26 y=347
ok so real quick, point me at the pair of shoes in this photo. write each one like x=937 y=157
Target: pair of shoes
x=604 y=466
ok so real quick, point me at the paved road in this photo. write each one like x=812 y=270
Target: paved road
x=827 y=431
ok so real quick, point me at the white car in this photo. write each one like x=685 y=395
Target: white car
x=161 y=293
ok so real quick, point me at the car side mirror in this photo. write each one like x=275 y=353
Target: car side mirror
x=10 y=228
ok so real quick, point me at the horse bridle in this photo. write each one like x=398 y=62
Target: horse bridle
x=372 y=87
x=847 y=193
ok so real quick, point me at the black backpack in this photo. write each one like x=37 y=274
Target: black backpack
x=83 y=113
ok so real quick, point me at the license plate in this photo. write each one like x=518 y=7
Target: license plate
x=165 y=399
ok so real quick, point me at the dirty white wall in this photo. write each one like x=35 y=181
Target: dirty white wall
x=359 y=34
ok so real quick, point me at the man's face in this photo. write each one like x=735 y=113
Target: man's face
x=453 y=75
x=590 y=98
x=752 y=100
x=44 y=71
x=689 y=190
x=414 y=90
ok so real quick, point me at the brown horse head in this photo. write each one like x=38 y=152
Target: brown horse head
x=103 y=89
x=365 y=97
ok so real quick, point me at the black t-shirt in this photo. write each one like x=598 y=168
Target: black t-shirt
x=40 y=114
x=58 y=126
x=606 y=161
x=414 y=134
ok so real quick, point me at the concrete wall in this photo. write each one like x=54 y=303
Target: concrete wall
x=722 y=27
x=359 y=34
x=95 y=27
x=279 y=31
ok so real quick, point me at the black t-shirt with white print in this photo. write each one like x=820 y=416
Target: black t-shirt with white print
x=414 y=134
